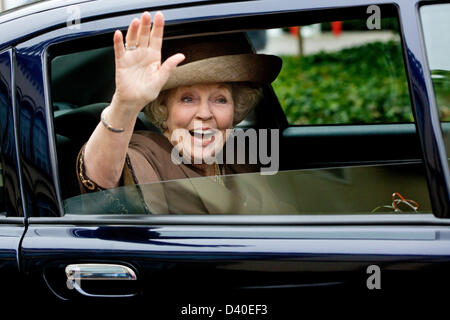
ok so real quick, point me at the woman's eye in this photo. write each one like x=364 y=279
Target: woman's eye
x=221 y=100
x=186 y=99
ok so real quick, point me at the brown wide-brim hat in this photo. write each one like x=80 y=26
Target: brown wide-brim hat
x=219 y=58
x=250 y=67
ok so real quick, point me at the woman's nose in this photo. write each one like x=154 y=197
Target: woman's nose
x=204 y=111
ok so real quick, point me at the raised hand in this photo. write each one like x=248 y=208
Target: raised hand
x=139 y=79
x=139 y=72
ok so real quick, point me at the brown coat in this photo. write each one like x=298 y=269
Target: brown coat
x=153 y=149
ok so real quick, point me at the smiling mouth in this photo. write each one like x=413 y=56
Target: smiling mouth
x=203 y=134
x=203 y=137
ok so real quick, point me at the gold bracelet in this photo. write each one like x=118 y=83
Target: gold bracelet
x=108 y=126
x=90 y=185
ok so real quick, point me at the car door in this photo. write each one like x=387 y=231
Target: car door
x=237 y=264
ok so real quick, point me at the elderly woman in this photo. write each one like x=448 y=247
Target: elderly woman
x=204 y=87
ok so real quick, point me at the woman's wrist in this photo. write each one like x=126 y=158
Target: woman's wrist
x=133 y=106
x=120 y=115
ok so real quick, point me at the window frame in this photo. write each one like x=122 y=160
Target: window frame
x=16 y=210
x=426 y=110
x=445 y=125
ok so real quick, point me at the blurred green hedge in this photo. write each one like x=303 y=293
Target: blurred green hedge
x=365 y=84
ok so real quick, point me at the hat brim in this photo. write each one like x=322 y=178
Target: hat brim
x=255 y=68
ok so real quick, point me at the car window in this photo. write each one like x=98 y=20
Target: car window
x=437 y=44
x=349 y=145
x=341 y=72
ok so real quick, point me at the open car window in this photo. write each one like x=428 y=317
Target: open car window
x=345 y=140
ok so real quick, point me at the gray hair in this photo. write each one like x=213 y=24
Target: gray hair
x=245 y=97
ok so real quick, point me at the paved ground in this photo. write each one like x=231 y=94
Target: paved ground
x=285 y=44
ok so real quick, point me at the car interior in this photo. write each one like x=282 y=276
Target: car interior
x=82 y=84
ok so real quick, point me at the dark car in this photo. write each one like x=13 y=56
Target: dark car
x=357 y=205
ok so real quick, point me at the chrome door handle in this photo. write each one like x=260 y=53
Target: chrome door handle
x=77 y=273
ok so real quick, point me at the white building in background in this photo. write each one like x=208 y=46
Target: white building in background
x=9 y=4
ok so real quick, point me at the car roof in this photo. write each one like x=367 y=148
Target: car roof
x=27 y=21
x=47 y=5
x=119 y=5
x=35 y=7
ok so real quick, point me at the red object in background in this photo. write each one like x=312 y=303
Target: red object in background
x=336 y=27
x=293 y=31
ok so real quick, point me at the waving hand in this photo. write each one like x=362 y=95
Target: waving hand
x=140 y=75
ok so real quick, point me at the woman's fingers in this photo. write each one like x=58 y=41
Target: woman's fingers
x=170 y=64
x=144 y=30
x=140 y=33
x=156 y=36
x=132 y=33
x=119 y=48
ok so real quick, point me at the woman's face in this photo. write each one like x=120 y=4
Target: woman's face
x=198 y=119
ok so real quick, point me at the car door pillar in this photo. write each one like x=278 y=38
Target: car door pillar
x=425 y=110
